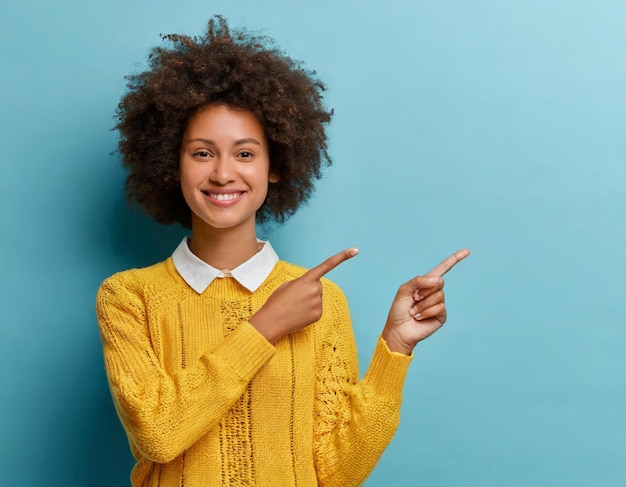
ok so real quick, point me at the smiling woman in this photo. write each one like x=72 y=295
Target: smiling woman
x=228 y=366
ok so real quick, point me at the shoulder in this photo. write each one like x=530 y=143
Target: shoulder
x=139 y=284
x=140 y=277
x=288 y=271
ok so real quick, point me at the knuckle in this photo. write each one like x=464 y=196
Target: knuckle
x=317 y=313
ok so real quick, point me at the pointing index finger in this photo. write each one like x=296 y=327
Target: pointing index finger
x=449 y=263
x=329 y=264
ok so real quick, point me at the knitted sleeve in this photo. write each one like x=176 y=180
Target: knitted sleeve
x=164 y=414
x=355 y=420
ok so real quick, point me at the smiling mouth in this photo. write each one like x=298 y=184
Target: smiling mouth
x=222 y=196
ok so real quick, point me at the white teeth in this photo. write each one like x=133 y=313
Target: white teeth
x=224 y=197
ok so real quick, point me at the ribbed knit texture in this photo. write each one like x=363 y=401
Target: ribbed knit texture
x=206 y=401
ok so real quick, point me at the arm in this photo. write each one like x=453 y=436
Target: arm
x=354 y=421
x=164 y=414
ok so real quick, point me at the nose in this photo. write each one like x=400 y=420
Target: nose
x=223 y=171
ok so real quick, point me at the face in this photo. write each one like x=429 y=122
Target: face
x=224 y=168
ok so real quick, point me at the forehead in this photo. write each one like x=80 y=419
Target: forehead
x=225 y=123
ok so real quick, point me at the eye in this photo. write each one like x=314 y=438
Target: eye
x=245 y=155
x=202 y=154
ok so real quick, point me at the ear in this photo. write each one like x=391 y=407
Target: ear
x=273 y=178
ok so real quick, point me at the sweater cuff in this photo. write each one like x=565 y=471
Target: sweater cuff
x=387 y=370
x=245 y=350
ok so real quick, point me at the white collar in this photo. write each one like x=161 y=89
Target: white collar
x=198 y=274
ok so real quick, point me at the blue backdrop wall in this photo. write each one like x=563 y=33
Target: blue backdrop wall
x=495 y=125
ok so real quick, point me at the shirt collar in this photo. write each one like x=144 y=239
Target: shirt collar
x=198 y=274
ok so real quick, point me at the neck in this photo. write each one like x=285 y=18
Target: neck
x=223 y=248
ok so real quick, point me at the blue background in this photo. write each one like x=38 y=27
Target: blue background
x=494 y=125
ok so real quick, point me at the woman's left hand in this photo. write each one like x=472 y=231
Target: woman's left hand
x=418 y=309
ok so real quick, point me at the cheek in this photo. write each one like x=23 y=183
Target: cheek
x=257 y=176
x=188 y=175
x=188 y=181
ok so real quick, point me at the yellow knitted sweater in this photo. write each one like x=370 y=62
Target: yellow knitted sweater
x=206 y=401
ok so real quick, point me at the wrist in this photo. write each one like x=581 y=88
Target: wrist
x=266 y=328
x=395 y=343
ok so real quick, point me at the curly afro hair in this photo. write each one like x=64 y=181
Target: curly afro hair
x=238 y=69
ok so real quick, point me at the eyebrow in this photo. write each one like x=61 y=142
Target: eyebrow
x=248 y=140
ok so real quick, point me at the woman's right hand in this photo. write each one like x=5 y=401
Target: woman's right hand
x=298 y=303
